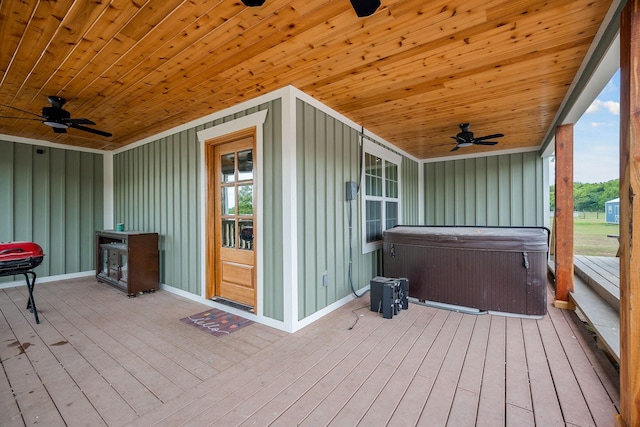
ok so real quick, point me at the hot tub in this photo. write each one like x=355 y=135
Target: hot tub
x=500 y=269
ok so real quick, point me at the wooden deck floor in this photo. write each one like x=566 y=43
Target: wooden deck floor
x=100 y=358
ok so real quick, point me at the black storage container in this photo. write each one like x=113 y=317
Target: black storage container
x=502 y=269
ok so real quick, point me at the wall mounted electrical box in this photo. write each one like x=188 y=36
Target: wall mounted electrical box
x=351 y=190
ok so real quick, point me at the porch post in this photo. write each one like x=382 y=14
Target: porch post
x=629 y=216
x=563 y=216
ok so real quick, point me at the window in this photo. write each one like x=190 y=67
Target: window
x=381 y=201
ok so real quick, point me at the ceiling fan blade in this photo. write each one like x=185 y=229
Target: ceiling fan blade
x=461 y=140
x=455 y=148
x=22 y=111
x=78 y=121
x=495 y=135
x=20 y=118
x=91 y=130
x=485 y=142
x=59 y=130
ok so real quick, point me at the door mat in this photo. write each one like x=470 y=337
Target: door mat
x=217 y=322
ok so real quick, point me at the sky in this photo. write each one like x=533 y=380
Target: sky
x=595 y=138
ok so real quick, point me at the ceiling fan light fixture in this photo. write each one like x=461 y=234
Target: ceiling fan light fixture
x=464 y=144
x=365 y=7
x=57 y=125
x=253 y=3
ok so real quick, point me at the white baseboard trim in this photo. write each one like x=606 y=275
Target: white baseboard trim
x=328 y=309
x=197 y=298
x=267 y=321
x=40 y=280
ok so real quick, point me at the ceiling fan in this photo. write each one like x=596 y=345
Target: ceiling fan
x=58 y=118
x=465 y=138
x=362 y=7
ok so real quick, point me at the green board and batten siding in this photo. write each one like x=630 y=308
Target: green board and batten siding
x=503 y=190
x=157 y=189
x=53 y=197
x=327 y=157
x=410 y=188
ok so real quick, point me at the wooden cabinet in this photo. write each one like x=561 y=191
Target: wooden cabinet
x=128 y=259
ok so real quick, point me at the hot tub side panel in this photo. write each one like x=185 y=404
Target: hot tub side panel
x=497 y=280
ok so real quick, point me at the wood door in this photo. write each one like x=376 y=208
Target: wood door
x=231 y=213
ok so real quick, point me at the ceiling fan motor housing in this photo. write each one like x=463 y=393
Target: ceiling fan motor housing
x=55 y=117
x=365 y=8
x=466 y=135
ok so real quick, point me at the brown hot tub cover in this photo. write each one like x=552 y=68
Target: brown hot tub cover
x=501 y=269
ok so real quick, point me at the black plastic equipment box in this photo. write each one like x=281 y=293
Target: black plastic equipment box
x=501 y=269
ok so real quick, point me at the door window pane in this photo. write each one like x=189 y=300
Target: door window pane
x=245 y=200
x=228 y=233
x=228 y=200
x=245 y=165
x=228 y=167
x=246 y=235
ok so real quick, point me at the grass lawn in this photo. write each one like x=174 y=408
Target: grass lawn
x=590 y=235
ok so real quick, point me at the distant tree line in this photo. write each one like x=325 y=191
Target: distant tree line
x=590 y=197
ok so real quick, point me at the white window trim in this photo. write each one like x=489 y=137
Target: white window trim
x=372 y=148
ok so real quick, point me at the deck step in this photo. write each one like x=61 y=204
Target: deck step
x=603 y=318
x=601 y=277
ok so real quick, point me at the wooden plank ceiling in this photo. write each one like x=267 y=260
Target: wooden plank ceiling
x=410 y=73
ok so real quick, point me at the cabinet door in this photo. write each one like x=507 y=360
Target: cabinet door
x=124 y=267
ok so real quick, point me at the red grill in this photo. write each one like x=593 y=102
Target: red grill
x=21 y=258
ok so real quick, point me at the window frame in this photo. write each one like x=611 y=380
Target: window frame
x=386 y=155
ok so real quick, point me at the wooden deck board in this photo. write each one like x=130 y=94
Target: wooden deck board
x=518 y=392
x=492 y=395
x=329 y=373
x=601 y=410
x=604 y=319
x=140 y=384
x=610 y=265
x=26 y=381
x=574 y=408
x=414 y=399
x=406 y=365
x=372 y=351
x=438 y=406
x=10 y=348
x=605 y=371
x=320 y=372
x=198 y=399
x=464 y=409
x=97 y=374
x=48 y=359
x=596 y=295
x=600 y=279
x=546 y=407
x=424 y=366
x=148 y=342
x=362 y=401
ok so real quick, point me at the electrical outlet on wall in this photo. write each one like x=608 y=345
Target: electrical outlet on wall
x=325 y=278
